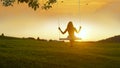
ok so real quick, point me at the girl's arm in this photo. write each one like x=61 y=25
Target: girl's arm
x=62 y=31
x=78 y=30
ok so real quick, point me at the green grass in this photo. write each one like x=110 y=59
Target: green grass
x=19 y=53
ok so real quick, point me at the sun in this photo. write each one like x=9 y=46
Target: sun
x=82 y=34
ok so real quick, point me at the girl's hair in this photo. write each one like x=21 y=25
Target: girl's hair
x=70 y=25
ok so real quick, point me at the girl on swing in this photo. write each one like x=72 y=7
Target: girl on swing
x=71 y=29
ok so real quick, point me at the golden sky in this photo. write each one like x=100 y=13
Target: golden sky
x=99 y=19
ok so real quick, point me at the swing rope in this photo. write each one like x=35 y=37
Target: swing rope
x=58 y=21
x=79 y=11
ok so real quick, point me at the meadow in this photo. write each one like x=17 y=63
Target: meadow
x=24 y=53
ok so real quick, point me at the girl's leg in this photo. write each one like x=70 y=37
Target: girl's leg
x=71 y=43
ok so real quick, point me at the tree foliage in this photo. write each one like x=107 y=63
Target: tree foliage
x=34 y=4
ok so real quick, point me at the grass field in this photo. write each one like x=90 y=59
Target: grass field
x=19 y=53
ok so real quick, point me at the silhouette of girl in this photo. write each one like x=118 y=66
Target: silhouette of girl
x=71 y=29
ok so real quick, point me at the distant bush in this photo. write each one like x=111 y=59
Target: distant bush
x=2 y=35
x=41 y=39
x=38 y=38
x=31 y=38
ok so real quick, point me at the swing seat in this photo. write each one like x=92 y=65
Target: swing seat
x=68 y=38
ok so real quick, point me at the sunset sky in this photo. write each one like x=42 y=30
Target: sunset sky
x=99 y=19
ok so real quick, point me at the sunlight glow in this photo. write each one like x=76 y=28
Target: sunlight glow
x=82 y=34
